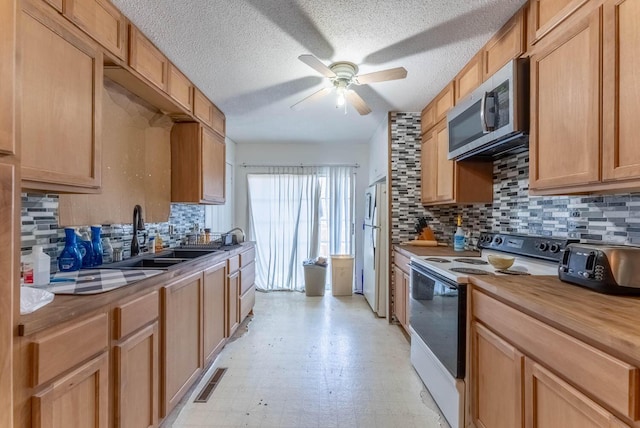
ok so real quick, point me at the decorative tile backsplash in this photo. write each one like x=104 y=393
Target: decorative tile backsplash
x=602 y=218
x=39 y=219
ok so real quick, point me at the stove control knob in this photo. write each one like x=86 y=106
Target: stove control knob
x=554 y=248
x=586 y=274
x=497 y=240
x=543 y=246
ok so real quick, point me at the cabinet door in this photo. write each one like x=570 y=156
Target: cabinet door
x=621 y=90
x=136 y=380
x=400 y=296
x=469 y=78
x=552 y=403
x=146 y=59
x=508 y=43
x=7 y=75
x=213 y=166
x=428 y=168
x=407 y=298
x=445 y=180
x=102 y=21
x=60 y=104
x=565 y=101
x=496 y=381
x=181 y=333
x=202 y=108
x=180 y=88
x=78 y=400
x=247 y=302
x=213 y=314
x=232 y=303
x=545 y=15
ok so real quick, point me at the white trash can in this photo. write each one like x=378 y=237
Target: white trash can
x=342 y=275
x=315 y=277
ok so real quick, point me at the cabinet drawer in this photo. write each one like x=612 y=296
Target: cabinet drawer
x=247 y=257
x=247 y=277
x=402 y=262
x=233 y=264
x=59 y=351
x=132 y=315
x=609 y=380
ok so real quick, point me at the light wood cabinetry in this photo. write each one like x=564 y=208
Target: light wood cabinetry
x=136 y=363
x=437 y=109
x=56 y=4
x=469 y=78
x=401 y=272
x=181 y=338
x=508 y=43
x=197 y=164
x=213 y=311
x=546 y=15
x=180 y=88
x=232 y=296
x=208 y=113
x=102 y=21
x=247 y=282
x=556 y=391
x=60 y=115
x=445 y=181
x=146 y=59
x=7 y=76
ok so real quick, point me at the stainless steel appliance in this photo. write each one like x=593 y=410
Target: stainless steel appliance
x=494 y=119
x=438 y=302
x=607 y=269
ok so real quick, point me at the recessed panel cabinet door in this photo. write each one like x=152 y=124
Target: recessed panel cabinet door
x=621 y=90
x=446 y=168
x=429 y=168
x=213 y=166
x=7 y=76
x=545 y=15
x=400 y=296
x=61 y=89
x=213 y=315
x=565 y=109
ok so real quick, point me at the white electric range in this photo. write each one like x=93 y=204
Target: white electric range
x=438 y=307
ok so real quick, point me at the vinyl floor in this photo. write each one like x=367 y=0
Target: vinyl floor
x=314 y=362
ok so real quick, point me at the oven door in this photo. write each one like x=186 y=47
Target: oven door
x=438 y=310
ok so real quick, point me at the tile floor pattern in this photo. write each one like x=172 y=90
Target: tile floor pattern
x=315 y=362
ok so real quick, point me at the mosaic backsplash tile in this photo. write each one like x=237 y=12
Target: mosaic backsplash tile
x=602 y=218
x=39 y=219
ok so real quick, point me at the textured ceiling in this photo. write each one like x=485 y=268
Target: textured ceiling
x=243 y=55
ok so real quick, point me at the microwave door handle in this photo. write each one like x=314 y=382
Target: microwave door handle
x=483 y=108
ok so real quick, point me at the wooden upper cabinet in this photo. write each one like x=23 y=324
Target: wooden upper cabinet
x=505 y=45
x=146 y=59
x=197 y=164
x=7 y=76
x=208 y=113
x=56 y=4
x=102 y=21
x=438 y=108
x=545 y=15
x=445 y=181
x=60 y=116
x=429 y=165
x=565 y=106
x=469 y=78
x=621 y=90
x=180 y=88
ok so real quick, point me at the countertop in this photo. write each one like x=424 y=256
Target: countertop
x=410 y=250
x=606 y=322
x=67 y=307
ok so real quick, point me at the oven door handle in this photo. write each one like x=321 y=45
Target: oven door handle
x=432 y=275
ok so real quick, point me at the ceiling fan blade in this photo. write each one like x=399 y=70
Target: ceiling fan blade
x=316 y=95
x=317 y=65
x=357 y=102
x=381 y=76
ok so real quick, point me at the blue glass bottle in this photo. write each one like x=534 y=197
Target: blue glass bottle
x=96 y=243
x=70 y=258
x=86 y=250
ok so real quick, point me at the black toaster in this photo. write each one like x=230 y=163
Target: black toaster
x=607 y=269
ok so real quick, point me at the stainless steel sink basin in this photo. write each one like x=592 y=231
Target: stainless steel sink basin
x=148 y=263
x=185 y=254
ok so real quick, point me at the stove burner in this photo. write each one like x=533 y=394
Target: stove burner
x=513 y=272
x=470 y=271
x=477 y=261
x=437 y=260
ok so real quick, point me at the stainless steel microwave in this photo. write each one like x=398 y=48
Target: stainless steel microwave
x=494 y=119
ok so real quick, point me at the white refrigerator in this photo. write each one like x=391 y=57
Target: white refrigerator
x=375 y=284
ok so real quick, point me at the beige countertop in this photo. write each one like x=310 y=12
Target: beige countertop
x=411 y=250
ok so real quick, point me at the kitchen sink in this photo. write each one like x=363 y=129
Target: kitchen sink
x=185 y=254
x=149 y=263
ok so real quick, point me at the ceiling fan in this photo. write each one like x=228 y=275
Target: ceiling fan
x=342 y=75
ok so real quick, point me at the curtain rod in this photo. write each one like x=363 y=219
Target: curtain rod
x=300 y=165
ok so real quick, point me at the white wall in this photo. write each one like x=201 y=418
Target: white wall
x=221 y=218
x=308 y=154
x=379 y=153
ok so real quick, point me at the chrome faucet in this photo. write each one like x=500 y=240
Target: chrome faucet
x=138 y=224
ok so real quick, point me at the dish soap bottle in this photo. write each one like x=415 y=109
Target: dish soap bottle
x=158 y=243
x=86 y=250
x=37 y=267
x=458 y=237
x=70 y=259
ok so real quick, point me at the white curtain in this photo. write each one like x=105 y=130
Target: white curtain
x=297 y=213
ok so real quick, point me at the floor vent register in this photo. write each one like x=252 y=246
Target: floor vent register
x=204 y=395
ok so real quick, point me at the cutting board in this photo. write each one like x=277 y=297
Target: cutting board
x=423 y=243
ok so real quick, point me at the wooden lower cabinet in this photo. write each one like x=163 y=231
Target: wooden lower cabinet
x=247 y=302
x=497 y=370
x=232 y=303
x=213 y=313
x=181 y=338
x=79 y=399
x=401 y=302
x=553 y=403
x=136 y=379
